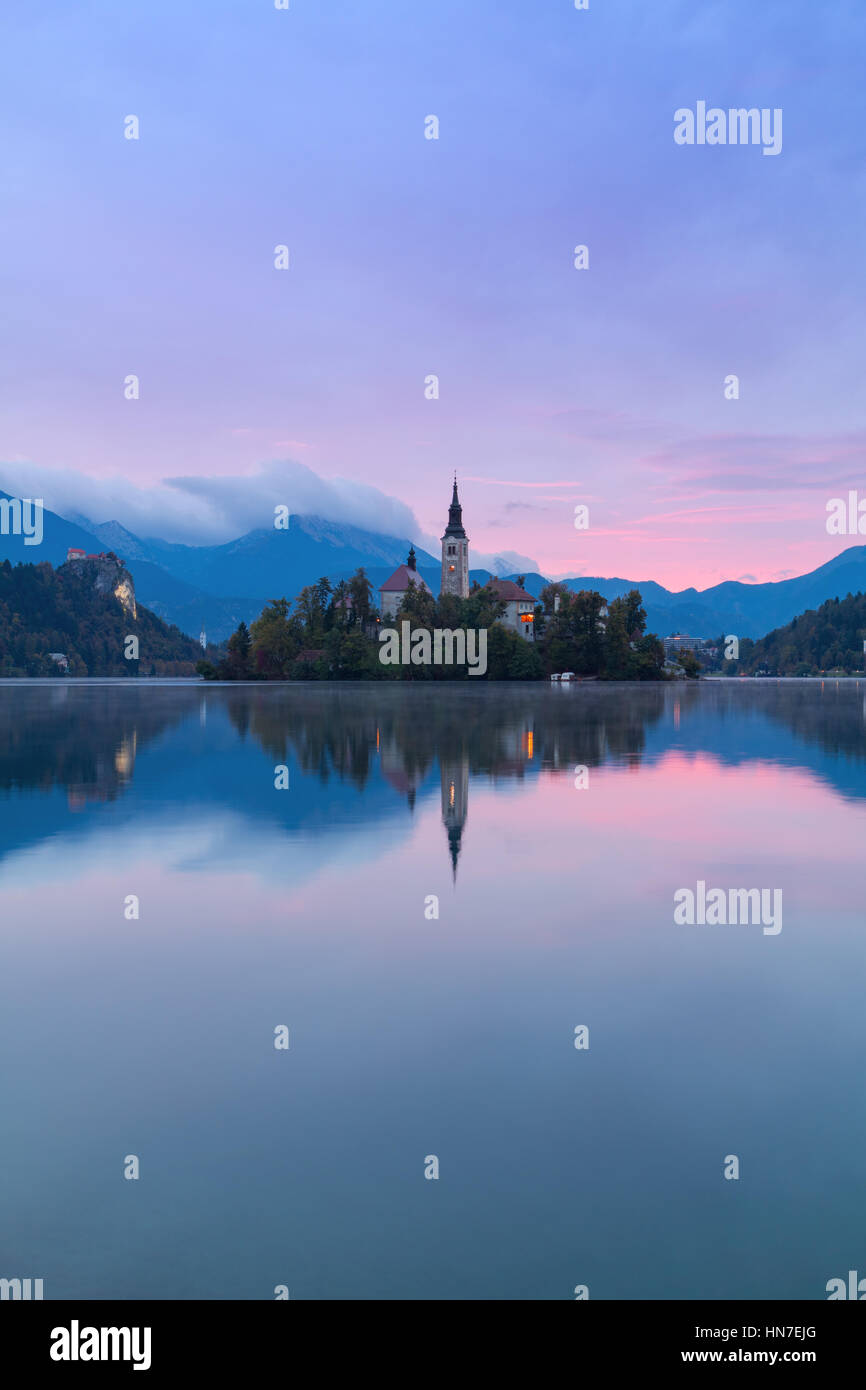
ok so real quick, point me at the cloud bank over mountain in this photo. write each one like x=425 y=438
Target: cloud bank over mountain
x=207 y=511
x=501 y=563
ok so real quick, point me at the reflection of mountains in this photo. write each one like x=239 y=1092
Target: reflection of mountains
x=172 y=746
x=818 y=725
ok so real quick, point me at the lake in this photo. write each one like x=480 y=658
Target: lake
x=440 y=887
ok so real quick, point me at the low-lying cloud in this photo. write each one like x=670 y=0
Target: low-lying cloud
x=502 y=563
x=207 y=511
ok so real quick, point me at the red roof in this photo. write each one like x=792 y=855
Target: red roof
x=399 y=581
x=510 y=592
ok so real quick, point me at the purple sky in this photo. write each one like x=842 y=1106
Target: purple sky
x=451 y=256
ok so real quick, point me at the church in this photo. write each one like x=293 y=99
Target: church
x=519 y=605
x=455 y=551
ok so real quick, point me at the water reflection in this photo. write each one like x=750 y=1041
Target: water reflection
x=452 y=1035
x=89 y=741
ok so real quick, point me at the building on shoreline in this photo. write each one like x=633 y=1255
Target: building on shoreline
x=519 y=613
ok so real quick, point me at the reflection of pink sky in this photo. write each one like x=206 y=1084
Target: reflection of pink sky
x=536 y=855
x=692 y=812
x=752 y=809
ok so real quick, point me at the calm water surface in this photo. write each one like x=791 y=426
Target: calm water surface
x=413 y=1035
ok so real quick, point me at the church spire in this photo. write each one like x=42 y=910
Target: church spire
x=455 y=515
x=455 y=551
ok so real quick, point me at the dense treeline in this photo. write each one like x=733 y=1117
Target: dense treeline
x=332 y=633
x=822 y=641
x=582 y=633
x=45 y=610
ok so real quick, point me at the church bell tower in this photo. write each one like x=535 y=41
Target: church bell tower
x=455 y=551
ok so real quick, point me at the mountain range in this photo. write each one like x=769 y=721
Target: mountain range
x=218 y=586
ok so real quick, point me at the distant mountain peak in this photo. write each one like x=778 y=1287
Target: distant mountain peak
x=225 y=583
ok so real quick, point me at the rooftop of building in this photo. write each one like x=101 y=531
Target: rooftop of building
x=399 y=581
x=509 y=592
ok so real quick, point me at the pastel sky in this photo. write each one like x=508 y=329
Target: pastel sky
x=454 y=256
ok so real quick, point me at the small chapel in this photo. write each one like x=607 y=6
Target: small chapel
x=519 y=605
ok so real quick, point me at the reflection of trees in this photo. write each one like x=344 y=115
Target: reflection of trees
x=832 y=723
x=402 y=732
x=345 y=730
x=84 y=739
x=830 y=714
x=338 y=731
x=328 y=733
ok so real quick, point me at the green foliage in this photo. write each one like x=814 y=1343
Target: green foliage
x=238 y=659
x=45 y=610
x=481 y=609
x=275 y=640
x=510 y=657
x=419 y=606
x=333 y=634
x=361 y=598
x=823 y=640
x=351 y=656
x=690 y=664
x=313 y=609
x=575 y=634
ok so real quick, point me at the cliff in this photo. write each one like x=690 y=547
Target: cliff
x=82 y=619
x=108 y=576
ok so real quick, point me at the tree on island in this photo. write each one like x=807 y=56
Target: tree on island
x=239 y=654
x=276 y=638
x=575 y=634
x=332 y=633
x=689 y=663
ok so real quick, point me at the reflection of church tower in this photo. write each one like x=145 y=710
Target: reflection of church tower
x=455 y=551
x=455 y=802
